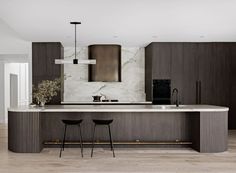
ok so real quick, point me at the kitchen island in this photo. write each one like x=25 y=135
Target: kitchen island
x=203 y=127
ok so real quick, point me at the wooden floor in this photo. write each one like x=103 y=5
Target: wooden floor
x=127 y=160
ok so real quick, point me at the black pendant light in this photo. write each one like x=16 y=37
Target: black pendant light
x=75 y=60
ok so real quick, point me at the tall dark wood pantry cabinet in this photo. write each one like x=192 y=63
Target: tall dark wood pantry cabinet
x=43 y=64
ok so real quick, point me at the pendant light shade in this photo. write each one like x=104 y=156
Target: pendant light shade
x=75 y=60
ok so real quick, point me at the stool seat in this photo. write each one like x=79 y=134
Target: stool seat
x=102 y=122
x=72 y=122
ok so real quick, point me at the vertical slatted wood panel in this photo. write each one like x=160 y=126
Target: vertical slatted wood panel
x=210 y=132
x=125 y=127
x=24 y=132
x=161 y=61
x=177 y=69
x=207 y=130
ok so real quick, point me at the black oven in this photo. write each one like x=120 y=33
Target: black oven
x=161 y=91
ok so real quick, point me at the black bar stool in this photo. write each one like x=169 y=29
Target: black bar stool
x=106 y=123
x=72 y=123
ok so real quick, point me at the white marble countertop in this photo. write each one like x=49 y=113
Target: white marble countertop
x=120 y=108
x=105 y=103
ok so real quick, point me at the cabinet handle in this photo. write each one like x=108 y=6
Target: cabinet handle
x=197 y=92
x=200 y=92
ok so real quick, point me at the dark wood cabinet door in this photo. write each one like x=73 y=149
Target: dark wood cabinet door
x=206 y=75
x=39 y=58
x=190 y=72
x=221 y=56
x=43 y=60
x=53 y=52
x=177 y=69
x=232 y=109
x=161 y=62
x=148 y=71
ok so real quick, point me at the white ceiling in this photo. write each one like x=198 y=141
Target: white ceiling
x=126 y=22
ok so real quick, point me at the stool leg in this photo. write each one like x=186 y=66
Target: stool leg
x=64 y=139
x=93 y=140
x=63 y=142
x=111 y=142
x=81 y=141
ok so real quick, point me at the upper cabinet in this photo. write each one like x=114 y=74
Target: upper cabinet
x=161 y=65
x=43 y=59
x=108 y=63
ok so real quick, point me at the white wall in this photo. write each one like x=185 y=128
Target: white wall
x=130 y=89
x=13 y=49
x=21 y=70
x=2 y=101
x=11 y=42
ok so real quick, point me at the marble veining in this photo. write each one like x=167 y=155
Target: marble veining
x=77 y=87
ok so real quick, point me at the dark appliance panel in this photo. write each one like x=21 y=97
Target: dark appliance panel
x=161 y=91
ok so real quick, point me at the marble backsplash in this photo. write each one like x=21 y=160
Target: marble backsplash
x=130 y=89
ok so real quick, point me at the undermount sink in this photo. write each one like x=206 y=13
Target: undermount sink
x=171 y=106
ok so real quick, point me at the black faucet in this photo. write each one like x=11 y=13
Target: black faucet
x=175 y=90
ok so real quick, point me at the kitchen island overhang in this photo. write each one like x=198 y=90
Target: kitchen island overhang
x=205 y=126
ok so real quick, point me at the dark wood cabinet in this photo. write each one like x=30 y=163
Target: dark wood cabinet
x=222 y=58
x=157 y=65
x=175 y=61
x=204 y=73
x=161 y=61
x=43 y=64
x=214 y=73
x=205 y=77
x=232 y=110
x=177 y=69
x=148 y=71
x=190 y=73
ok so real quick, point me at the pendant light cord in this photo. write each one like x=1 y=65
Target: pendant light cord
x=75 y=41
x=75 y=60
